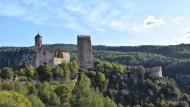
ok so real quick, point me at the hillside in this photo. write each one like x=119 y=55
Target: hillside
x=147 y=56
x=110 y=81
x=174 y=59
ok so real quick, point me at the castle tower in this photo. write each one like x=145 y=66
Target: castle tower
x=84 y=51
x=38 y=41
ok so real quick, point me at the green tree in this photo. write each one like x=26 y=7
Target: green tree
x=101 y=81
x=35 y=101
x=44 y=72
x=66 y=70
x=30 y=71
x=6 y=73
x=64 y=92
x=58 y=71
x=21 y=71
x=74 y=67
x=108 y=66
x=119 y=68
x=84 y=96
x=109 y=103
x=13 y=99
x=97 y=65
x=47 y=95
x=183 y=104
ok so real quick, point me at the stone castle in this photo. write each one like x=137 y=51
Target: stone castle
x=45 y=55
x=53 y=57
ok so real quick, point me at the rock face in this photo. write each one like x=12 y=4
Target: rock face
x=84 y=51
x=17 y=58
x=155 y=72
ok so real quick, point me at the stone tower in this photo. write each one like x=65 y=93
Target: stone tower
x=84 y=51
x=38 y=41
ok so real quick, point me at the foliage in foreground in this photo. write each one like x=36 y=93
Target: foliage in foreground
x=105 y=85
x=13 y=99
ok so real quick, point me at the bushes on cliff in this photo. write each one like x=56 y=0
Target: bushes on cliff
x=6 y=73
x=44 y=72
x=13 y=99
x=47 y=94
x=28 y=71
x=84 y=96
x=74 y=67
x=35 y=101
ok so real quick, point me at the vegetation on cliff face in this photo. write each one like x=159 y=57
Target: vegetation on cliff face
x=108 y=84
x=105 y=85
x=13 y=99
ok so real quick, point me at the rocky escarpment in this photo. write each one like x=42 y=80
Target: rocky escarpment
x=17 y=57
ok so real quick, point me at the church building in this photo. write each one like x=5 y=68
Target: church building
x=45 y=55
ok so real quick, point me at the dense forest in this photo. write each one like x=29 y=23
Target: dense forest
x=119 y=78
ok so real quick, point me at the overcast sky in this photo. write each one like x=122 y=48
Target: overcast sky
x=108 y=22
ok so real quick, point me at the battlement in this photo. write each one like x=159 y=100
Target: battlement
x=83 y=38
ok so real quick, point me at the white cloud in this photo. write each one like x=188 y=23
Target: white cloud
x=179 y=30
x=40 y=12
x=179 y=39
x=148 y=23
x=187 y=34
x=11 y=10
x=151 y=21
x=81 y=15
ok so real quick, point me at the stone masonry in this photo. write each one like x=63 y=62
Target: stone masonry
x=155 y=72
x=45 y=55
x=84 y=51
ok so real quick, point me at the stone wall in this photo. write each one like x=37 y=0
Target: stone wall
x=65 y=59
x=155 y=72
x=84 y=51
x=45 y=56
x=58 y=61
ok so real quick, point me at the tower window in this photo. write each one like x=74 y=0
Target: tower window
x=44 y=53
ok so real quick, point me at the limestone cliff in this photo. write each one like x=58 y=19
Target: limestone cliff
x=17 y=57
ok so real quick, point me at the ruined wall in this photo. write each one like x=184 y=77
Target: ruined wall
x=65 y=59
x=155 y=72
x=84 y=51
x=58 y=61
